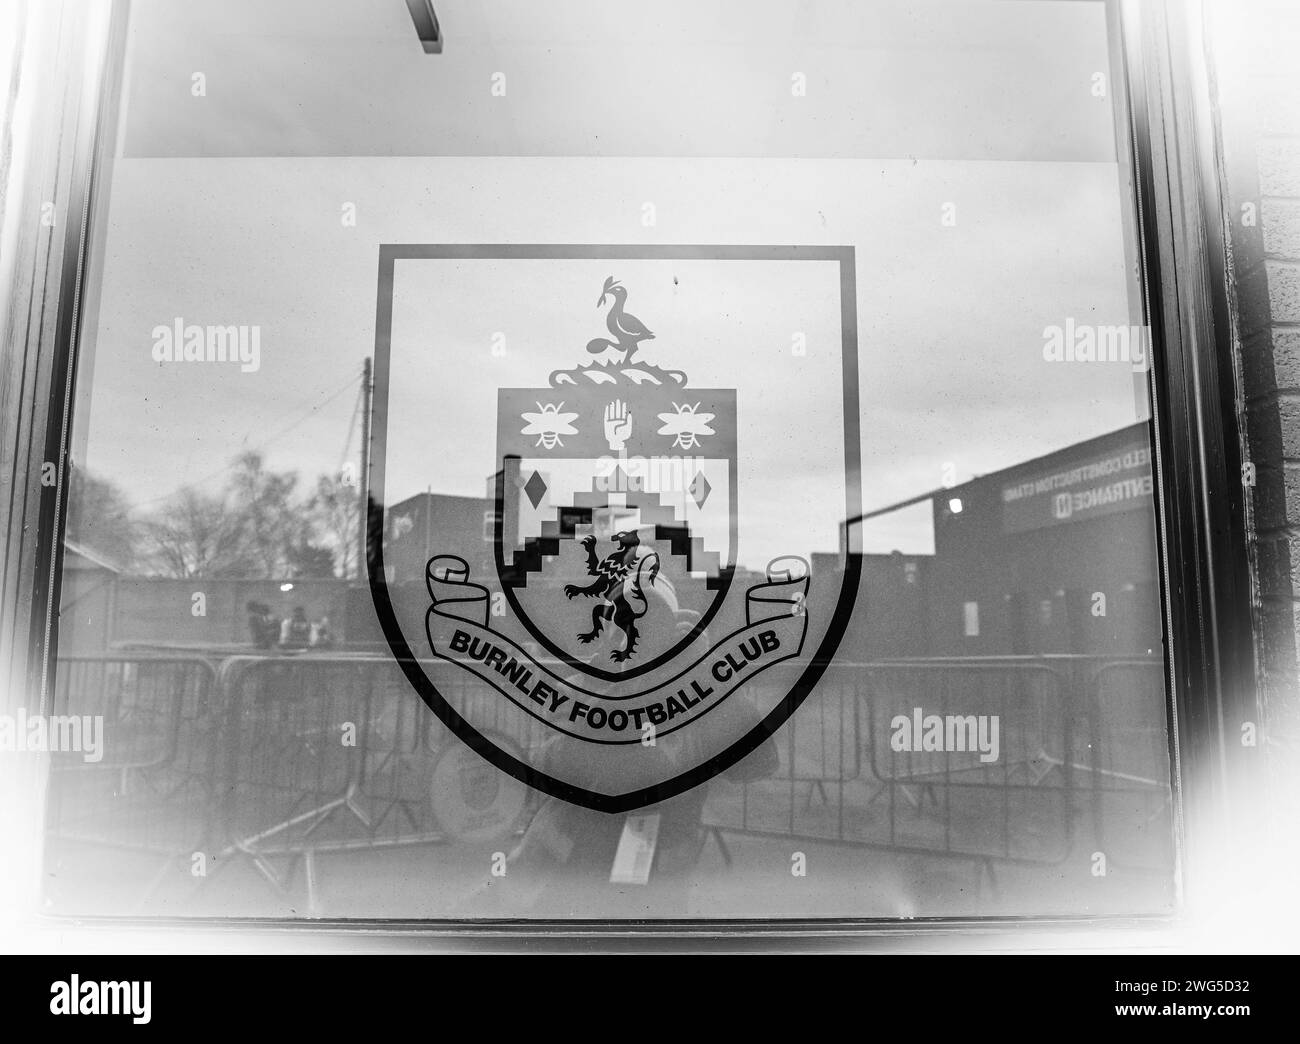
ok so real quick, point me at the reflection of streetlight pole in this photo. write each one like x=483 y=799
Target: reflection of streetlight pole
x=428 y=519
x=363 y=484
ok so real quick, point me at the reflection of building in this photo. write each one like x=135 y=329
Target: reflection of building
x=416 y=529
x=429 y=524
x=86 y=604
x=1055 y=555
x=890 y=613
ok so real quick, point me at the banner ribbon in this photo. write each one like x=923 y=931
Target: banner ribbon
x=776 y=622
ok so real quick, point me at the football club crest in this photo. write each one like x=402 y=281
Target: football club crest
x=662 y=571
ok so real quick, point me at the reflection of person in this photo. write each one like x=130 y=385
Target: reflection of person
x=262 y=625
x=295 y=633
x=321 y=637
x=564 y=860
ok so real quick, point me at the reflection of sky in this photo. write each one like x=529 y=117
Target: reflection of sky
x=950 y=318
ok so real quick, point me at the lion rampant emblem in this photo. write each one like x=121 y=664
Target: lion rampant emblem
x=618 y=585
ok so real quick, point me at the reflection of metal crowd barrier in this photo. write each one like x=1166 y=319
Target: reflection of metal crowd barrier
x=252 y=763
x=1055 y=743
x=156 y=786
x=1129 y=743
x=326 y=753
x=1015 y=809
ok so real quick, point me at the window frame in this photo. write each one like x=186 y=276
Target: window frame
x=1158 y=51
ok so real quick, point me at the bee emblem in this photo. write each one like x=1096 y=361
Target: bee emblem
x=549 y=424
x=688 y=424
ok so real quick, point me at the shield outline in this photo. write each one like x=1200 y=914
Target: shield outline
x=822 y=658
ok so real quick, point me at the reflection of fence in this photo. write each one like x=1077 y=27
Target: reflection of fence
x=262 y=758
x=995 y=791
x=156 y=784
x=1128 y=749
x=327 y=753
x=272 y=758
x=887 y=755
x=318 y=753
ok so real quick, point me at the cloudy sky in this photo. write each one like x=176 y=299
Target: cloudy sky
x=226 y=208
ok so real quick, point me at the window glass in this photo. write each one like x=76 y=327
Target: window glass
x=674 y=460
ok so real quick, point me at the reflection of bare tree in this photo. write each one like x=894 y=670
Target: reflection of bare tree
x=272 y=523
x=198 y=535
x=334 y=510
x=257 y=527
x=100 y=519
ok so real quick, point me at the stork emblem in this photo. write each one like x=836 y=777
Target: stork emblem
x=629 y=333
x=573 y=576
x=628 y=330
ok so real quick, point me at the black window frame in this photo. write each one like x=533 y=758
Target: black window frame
x=1211 y=687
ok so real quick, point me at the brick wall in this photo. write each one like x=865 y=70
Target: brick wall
x=1254 y=53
